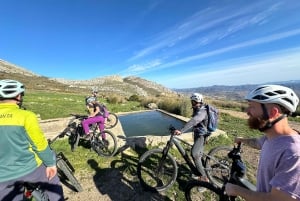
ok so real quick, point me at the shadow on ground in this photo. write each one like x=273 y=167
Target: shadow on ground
x=120 y=181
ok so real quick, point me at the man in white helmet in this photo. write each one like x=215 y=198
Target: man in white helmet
x=279 y=165
x=199 y=123
x=24 y=151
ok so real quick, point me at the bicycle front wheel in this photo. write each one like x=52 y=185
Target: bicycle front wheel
x=111 y=121
x=155 y=172
x=203 y=191
x=105 y=143
x=65 y=172
x=217 y=165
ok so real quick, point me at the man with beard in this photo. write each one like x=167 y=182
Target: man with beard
x=279 y=165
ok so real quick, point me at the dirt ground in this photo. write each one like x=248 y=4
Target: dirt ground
x=111 y=184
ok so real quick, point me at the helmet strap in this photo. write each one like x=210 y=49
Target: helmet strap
x=272 y=123
x=19 y=100
x=265 y=112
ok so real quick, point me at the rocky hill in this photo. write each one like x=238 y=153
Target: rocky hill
x=123 y=86
x=106 y=85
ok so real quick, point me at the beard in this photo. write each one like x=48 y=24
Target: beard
x=256 y=122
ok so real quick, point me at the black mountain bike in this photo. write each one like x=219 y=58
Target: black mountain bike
x=64 y=167
x=157 y=168
x=103 y=143
x=214 y=193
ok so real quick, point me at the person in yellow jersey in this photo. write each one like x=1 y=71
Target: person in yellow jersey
x=25 y=154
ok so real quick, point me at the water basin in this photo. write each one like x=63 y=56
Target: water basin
x=148 y=123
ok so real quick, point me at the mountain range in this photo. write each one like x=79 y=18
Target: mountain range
x=123 y=86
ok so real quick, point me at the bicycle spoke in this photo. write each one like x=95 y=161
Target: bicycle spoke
x=217 y=165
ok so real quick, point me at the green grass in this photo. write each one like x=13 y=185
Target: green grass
x=55 y=105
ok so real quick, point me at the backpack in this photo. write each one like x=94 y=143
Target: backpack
x=213 y=118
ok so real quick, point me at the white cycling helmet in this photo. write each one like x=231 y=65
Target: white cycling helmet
x=277 y=94
x=197 y=97
x=94 y=90
x=10 y=88
x=91 y=99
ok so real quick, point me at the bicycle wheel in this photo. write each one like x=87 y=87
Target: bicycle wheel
x=104 y=143
x=156 y=173
x=65 y=172
x=199 y=190
x=111 y=121
x=217 y=165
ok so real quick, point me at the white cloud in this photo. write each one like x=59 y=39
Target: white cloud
x=278 y=66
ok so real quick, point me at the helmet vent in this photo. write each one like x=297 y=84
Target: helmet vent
x=288 y=100
x=260 y=97
x=280 y=92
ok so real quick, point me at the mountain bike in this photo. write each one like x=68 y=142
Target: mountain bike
x=157 y=168
x=215 y=193
x=64 y=167
x=104 y=143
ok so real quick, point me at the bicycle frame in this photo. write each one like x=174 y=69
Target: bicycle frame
x=177 y=142
x=185 y=154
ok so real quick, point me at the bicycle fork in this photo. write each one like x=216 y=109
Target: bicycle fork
x=161 y=163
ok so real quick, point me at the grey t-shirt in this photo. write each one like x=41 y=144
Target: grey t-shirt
x=279 y=165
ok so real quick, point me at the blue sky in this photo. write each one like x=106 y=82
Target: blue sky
x=176 y=43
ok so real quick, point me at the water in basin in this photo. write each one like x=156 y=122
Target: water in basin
x=148 y=123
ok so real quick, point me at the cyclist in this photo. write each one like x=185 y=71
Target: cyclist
x=198 y=122
x=89 y=105
x=24 y=151
x=279 y=165
x=95 y=116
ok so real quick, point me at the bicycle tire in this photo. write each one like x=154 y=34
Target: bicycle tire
x=150 y=177
x=65 y=171
x=111 y=121
x=211 y=193
x=217 y=165
x=104 y=147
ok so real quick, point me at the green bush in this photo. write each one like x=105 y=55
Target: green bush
x=134 y=98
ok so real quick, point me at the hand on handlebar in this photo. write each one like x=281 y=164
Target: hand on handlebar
x=177 y=132
x=238 y=140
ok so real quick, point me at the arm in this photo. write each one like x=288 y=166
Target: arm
x=252 y=142
x=38 y=141
x=199 y=117
x=274 y=195
x=95 y=112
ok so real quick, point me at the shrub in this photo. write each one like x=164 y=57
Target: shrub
x=134 y=98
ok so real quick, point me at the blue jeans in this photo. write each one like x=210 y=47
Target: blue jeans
x=10 y=192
